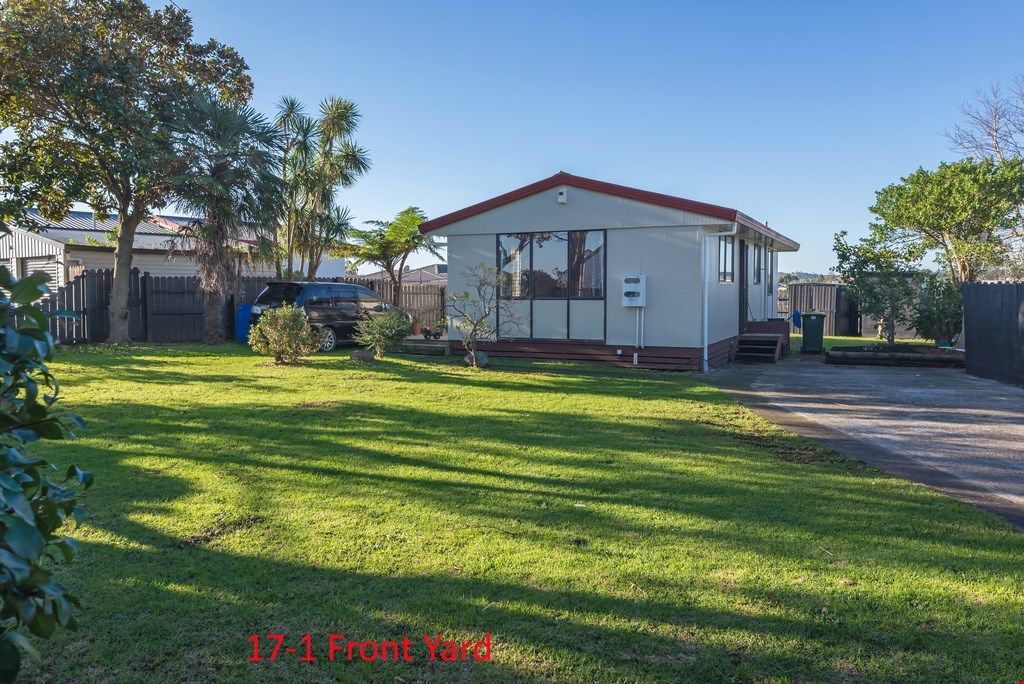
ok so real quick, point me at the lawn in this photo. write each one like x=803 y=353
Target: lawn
x=602 y=525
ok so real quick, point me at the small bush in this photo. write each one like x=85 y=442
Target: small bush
x=381 y=333
x=939 y=312
x=285 y=334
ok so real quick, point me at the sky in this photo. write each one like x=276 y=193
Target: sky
x=794 y=113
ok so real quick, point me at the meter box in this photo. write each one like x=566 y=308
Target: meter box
x=634 y=290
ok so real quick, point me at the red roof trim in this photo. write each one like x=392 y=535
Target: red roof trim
x=562 y=178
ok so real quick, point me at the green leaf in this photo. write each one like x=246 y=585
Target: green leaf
x=23 y=538
x=23 y=644
x=17 y=566
x=10 y=659
x=43 y=625
x=84 y=477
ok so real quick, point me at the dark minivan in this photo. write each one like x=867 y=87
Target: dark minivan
x=332 y=308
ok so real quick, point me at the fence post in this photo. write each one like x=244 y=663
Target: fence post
x=147 y=307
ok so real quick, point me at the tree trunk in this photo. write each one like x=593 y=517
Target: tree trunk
x=121 y=285
x=213 y=317
x=277 y=251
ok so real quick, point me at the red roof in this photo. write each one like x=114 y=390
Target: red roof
x=656 y=198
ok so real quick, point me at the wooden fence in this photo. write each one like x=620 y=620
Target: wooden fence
x=994 y=330
x=170 y=309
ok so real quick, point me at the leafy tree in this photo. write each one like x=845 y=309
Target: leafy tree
x=880 y=279
x=963 y=211
x=938 y=314
x=227 y=176
x=284 y=332
x=319 y=158
x=382 y=333
x=86 y=89
x=389 y=244
x=34 y=506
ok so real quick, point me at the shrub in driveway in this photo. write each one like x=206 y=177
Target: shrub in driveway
x=382 y=333
x=285 y=334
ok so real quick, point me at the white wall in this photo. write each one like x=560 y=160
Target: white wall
x=723 y=298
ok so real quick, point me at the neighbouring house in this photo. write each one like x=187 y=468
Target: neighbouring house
x=82 y=242
x=598 y=271
x=432 y=274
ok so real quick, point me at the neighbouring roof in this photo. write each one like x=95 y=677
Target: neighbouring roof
x=424 y=275
x=83 y=229
x=656 y=198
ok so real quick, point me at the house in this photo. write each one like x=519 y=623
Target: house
x=594 y=270
x=432 y=274
x=82 y=242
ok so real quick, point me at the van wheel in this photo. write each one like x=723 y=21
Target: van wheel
x=328 y=339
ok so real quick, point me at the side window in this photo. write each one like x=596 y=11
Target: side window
x=369 y=301
x=344 y=295
x=725 y=259
x=318 y=296
x=758 y=266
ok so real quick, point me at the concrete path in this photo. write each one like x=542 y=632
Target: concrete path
x=957 y=433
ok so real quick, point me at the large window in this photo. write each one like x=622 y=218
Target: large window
x=758 y=265
x=725 y=259
x=550 y=270
x=552 y=265
x=514 y=264
x=586 y=264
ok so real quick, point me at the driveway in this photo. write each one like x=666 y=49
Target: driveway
x=957 y=433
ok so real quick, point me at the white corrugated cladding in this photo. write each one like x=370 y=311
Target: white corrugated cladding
x=20 y=244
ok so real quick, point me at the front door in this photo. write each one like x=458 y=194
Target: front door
x=743 y=283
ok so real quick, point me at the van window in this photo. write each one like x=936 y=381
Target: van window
x=344 y=293
x=318 y=295
x=279 y=293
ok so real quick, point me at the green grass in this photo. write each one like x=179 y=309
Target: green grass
x=603 y=525
x=796 y=342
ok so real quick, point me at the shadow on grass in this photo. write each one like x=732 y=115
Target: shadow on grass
x=540 y=479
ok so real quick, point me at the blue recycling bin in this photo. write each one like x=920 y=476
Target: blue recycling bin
x=243 y=314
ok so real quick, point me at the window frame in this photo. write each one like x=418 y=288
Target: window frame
x=769 y=270
x=758 y=264
x=727 y=252
x=604 y=266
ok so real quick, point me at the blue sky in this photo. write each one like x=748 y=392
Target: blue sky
x=795 y=113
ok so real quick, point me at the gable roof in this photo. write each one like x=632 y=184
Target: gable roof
x=656 y=198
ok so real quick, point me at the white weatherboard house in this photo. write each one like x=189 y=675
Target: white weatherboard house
x=605 y=272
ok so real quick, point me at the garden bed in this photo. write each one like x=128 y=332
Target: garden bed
x=900 y=355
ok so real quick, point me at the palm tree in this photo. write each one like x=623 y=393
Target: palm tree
x=389 y=244
x=228 y=157
x=319 y=158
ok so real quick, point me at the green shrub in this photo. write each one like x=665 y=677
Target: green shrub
x=382 y=333
x=33 y=507
x=939 y=312
x=285 y=334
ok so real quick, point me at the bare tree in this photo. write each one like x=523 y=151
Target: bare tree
x=993 y=123
x=478 y=313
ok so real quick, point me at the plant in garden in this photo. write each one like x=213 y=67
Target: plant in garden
x=86 y=90
x=939 y=312
x=389 y=244
x=285 y=334
x=382 y=333
x=880 y=279
x=33 y=507
x=477 y=312
x=319 y=157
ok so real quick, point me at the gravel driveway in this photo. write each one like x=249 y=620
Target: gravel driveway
x=958 y=433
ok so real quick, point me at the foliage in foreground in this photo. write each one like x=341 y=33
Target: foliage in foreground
x=33 y=507
x=285 y=334
x=382 y=333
